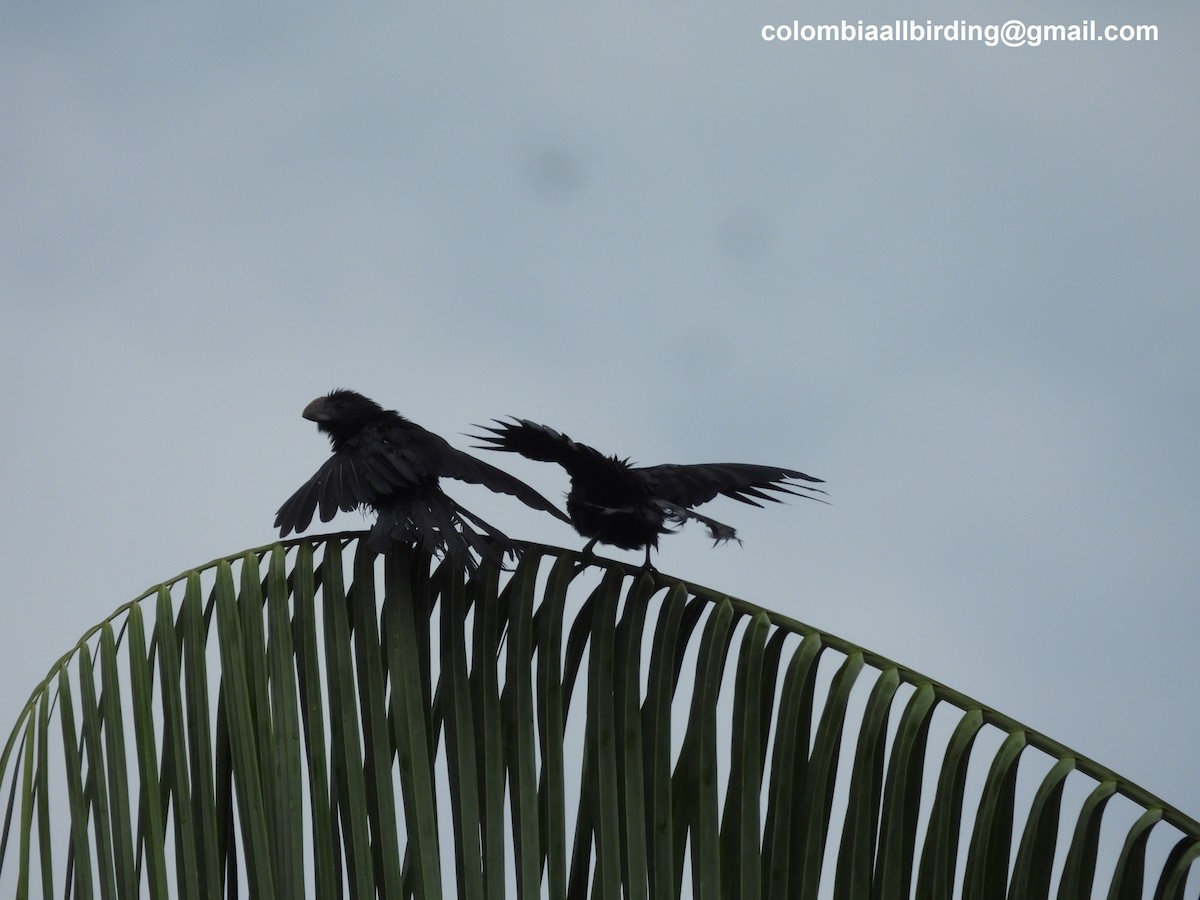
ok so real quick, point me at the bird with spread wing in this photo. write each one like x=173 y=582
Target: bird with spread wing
x=383 y=462
x=630 y=507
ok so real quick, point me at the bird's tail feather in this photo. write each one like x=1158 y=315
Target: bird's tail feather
x=443 y=528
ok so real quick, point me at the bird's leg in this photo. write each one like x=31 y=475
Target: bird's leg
x=648 y=567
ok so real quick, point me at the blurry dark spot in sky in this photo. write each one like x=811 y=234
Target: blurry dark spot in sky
x=556 y=174
x=744 y=233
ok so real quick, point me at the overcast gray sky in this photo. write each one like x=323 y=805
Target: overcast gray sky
x=958 y=282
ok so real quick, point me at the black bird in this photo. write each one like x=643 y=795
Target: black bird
x=613 y=502
x=383 y=462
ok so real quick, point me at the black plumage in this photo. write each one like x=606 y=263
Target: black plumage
x=385 y=463
x=613 y=502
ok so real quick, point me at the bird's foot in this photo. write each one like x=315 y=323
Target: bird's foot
x=648 y=568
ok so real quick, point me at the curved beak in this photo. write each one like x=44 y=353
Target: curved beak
x=316 y=411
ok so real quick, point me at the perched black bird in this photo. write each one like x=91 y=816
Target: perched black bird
x=615 y=503
x=383 y=462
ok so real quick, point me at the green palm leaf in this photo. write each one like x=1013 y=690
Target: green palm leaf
x=309 y=719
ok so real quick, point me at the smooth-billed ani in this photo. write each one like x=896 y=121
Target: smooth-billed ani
x=383 y=462
x=613 y=502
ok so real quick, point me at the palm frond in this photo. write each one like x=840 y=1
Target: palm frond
x=310 y=719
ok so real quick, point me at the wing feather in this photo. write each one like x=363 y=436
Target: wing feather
x=544 y=444
x=335 y=486
x=691 y=485
x=465 y=467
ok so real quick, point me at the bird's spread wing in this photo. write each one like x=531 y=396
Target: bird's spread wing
x=692 y=485
x=465 y=467
x=544 y=444
x=374 y=463
x=340 y=484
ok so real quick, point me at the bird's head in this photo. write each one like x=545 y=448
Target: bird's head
x=340 y=413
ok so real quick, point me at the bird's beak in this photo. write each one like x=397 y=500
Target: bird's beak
x=316 y=411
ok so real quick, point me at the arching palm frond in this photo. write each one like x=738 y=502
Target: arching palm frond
x=310 y=719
